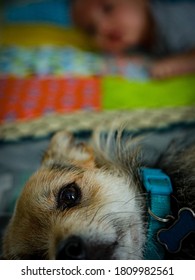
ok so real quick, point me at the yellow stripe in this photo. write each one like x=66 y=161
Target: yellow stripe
x=39 y=34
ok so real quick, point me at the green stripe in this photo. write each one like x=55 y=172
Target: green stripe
x=119 y=93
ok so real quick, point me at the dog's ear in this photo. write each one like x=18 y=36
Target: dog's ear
x=63 y=148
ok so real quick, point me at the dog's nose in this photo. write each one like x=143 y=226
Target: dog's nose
x=72 y=248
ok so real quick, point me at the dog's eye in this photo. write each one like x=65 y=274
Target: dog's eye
x=69 y=196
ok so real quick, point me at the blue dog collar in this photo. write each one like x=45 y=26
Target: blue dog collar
x=159 y=188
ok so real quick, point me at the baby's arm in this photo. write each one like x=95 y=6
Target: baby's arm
x=173 y=66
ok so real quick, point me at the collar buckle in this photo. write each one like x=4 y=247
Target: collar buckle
x=156 y=181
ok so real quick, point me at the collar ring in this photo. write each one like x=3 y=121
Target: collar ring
x=159 y=219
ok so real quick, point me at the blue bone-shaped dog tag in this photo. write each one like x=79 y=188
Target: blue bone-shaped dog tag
x=183 y=226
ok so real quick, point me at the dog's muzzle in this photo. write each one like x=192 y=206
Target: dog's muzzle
x=74 y=248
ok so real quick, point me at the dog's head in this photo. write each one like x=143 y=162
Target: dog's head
x=78 y=205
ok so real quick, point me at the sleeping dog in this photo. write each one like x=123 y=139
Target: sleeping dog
x=92 y=201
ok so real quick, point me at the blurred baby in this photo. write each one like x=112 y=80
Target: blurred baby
x=164 y=29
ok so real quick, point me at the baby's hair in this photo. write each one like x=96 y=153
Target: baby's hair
x=72 y=1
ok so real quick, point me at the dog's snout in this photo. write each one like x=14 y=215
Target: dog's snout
x=72 y=248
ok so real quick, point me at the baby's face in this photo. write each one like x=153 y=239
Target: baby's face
x=114 y=25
